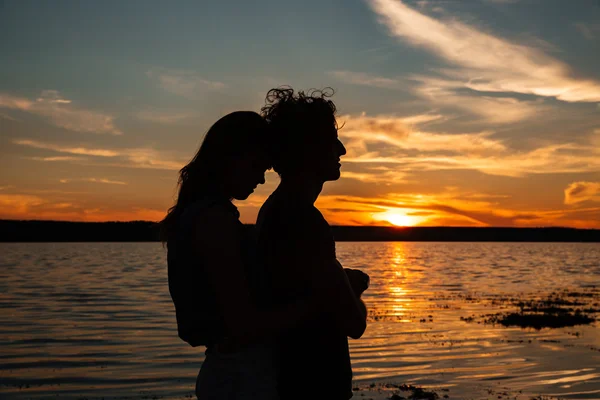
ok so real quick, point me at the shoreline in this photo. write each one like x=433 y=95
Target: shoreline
x=26 y=231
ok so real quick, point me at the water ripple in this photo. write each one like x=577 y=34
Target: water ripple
x=96 y=320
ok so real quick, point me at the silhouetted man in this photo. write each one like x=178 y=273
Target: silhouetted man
x=298 y=249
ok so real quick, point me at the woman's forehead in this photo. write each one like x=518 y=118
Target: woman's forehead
x=258 y=156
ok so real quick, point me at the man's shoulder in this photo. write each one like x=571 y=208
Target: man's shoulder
x=289 y=217
x=282 y=208
x=289 y=211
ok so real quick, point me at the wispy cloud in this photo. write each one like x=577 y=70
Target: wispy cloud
x=183 y=83
x=471 y=151
x=8 y=117
x=66 y=149
x=482 y=61
x=58 y=158
x=589 y=31
x=60 y=111
x=395 y=131
x=376 y=175
x=163 y=117
x=422 y=119
x=361 y=78
x=501 y=1
x=577 y=192
x=595 y=140
x=495 y=110
x=153 y=159
x=450 y=93
x=128 y=158
x=94 y=180
x=545 y=160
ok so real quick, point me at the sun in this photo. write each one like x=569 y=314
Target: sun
x=397 y=218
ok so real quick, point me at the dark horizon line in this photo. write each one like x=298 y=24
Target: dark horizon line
x=149 y=231
x=138 y=221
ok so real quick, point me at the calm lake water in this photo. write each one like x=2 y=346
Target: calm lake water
x=95 y=320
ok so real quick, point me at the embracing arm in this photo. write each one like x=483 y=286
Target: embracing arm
x=217 y=242
x=349 y=309
x=330 y=285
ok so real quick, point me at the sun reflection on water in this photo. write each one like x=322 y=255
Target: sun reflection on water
x=398 y=283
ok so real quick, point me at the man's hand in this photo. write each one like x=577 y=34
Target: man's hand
x=358 y=280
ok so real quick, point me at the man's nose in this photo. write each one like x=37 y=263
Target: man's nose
x=261 y=181
x=341 y=149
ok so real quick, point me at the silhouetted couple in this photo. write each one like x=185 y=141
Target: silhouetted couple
x=274 y=310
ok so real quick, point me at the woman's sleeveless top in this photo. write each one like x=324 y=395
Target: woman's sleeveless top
x=199 y=321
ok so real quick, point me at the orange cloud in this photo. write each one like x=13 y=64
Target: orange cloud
x=133 y=214
x=94 y=180
x=577 y=192
x=24 y=206
x=397 y=132
x=450 y=208
x=17 y=204
x=58 y=158
x=150 y=158
x=376 y=176
x=66 y=149
x=471 y=151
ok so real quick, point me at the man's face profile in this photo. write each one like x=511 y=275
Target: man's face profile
x=328 y=153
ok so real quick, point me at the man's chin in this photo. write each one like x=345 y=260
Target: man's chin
x=243 y=196
x=333 y=176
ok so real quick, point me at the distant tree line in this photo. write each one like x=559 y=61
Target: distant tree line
x=146 y=231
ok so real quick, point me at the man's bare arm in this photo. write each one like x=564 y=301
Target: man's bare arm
x=330 y=282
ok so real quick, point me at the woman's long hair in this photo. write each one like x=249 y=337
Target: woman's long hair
x=227 y=139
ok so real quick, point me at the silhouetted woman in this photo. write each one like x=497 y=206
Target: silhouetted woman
x=218 y=290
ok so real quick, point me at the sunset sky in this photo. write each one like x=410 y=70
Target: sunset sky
x=460 y=113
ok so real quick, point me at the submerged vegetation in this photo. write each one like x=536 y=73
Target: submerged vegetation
x=558 y=310
x=403 y=391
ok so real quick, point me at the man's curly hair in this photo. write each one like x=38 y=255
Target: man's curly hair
x=294 y=120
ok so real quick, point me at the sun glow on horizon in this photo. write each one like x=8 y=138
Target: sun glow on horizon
x=398 y=218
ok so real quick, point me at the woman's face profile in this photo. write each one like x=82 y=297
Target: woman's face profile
x=247 y=172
